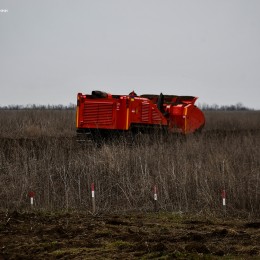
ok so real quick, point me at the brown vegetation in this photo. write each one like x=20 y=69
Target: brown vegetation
x=38 y=152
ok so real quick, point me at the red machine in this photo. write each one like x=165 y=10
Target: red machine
x=102 y=114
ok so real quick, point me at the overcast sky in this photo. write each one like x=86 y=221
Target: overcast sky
x=51 y=50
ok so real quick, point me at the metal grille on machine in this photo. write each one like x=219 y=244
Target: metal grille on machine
x=156 y=116
x=145 y=112
x=98 y=113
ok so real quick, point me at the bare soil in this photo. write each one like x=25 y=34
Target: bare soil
x=79 y=235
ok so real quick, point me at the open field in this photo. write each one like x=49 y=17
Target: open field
x=38 y=153
x=126 y=236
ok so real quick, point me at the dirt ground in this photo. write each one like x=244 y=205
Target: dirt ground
x=41 y=235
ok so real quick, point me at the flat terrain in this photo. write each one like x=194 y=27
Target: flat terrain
x=39 y=153
x=38 y=235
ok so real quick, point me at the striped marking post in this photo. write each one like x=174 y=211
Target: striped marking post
x=155 y=197
x=31 y=195
x=224 y=198
x=223 y=194
x=93 y=198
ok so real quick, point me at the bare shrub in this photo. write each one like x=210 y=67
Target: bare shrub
x=36 y=123
x=38 y=153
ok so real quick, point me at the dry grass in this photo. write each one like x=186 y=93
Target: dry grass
x=38 y=152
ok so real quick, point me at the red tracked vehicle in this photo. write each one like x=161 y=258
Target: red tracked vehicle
x=101 y=115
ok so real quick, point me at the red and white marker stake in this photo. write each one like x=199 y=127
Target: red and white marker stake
x=31 y=195
x=92 y=190
x=155 y=196
x=224 y=202
x=224 y=198
x=93 y=198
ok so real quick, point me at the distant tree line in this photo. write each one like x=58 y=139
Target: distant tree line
x=237 y=107
x=39 y=107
